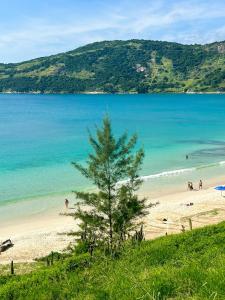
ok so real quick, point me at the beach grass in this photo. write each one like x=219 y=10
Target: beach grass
x=184 y=266
x=20 y=268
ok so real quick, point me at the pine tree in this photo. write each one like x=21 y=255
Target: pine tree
x=111 y=212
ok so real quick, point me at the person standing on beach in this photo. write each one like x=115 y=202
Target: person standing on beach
x=189 y=186
x=200 y=184
x=66 y=203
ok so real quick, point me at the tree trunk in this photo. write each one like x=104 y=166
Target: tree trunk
x=110 y=232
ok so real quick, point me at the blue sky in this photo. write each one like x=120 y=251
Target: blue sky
x=34 y=28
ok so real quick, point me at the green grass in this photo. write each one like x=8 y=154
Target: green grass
x=20 y=268
x=184 y=266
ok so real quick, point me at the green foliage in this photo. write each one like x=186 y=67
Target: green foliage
x=185 y=266
x=121 y=66
x=108 y=215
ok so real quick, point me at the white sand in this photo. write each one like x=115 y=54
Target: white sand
x=208 y=208
x=38 y=235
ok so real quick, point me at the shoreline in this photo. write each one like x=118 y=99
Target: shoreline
x=172 y=180
x=37 y=235
x=116 y=93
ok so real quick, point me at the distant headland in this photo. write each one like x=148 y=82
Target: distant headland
x=133 y=66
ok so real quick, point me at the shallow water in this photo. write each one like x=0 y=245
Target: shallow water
x=41 y=134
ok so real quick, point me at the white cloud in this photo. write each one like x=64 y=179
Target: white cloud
x=175 y=21
x=161 y=16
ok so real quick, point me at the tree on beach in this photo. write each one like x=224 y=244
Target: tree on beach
x=108 y=215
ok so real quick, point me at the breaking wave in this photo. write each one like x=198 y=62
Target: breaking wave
x=176 y=172
x=167 y=173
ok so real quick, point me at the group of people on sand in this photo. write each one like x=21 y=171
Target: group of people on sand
x=190 y=184
x=191 y=187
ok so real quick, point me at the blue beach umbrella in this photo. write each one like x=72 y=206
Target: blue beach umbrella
x=220 y=188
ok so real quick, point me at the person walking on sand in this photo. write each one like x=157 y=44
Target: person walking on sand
x=200 y=184
x=189 y=186
x=66 y=203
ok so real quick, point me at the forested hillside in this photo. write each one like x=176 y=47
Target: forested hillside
x=134 y=66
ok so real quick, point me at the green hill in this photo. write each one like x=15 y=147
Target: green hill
x=185 y=266
x=134 y=66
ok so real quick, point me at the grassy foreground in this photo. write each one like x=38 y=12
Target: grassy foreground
x=184 y=266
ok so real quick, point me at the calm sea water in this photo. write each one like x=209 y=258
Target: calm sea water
x=41 y=134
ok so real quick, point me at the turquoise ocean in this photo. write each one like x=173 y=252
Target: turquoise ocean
x=40 y=135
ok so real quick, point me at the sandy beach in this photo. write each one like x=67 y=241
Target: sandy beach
x=40 y=234
x=37 y=236
x=174 y=212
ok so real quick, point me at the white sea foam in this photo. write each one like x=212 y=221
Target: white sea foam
x=168 y=173
x=162 y=174
x=175 y=172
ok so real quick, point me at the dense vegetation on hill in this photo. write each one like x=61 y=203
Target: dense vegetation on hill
x=185 y=266
x=134 y=66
